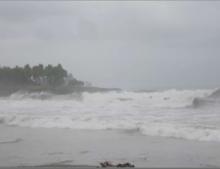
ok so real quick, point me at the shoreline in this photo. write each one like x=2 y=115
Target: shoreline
x=60 y=90
x=41 y=146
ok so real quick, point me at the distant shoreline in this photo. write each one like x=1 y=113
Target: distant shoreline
x=10 y=89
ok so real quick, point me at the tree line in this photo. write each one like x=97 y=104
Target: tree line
x=37 y=75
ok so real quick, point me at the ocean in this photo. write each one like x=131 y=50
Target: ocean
x=181 y=114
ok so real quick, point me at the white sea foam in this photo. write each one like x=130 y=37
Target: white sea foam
x=187 y=114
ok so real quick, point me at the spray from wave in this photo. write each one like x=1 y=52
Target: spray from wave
x=210 y=100
x=186 y=114
x=24 y=95
x=166 y=99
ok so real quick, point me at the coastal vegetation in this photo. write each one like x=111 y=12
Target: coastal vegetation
x=37 y=78
x=39 y=75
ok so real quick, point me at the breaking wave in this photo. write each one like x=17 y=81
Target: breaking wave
x=185 y=114
x=30 y=95
x=166 y=99
x=22 y=95
x=200 y=133
x=211 y=99
x=215 y=94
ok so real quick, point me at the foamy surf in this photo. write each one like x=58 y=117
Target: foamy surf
x=185 y=114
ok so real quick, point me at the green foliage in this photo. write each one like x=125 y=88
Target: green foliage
x=27 y=71
x=38 y=75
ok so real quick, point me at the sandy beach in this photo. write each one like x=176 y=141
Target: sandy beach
x=20 y=146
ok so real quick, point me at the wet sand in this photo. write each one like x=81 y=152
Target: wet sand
x=82 y=148
x=50 y=167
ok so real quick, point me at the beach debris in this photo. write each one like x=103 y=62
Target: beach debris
x=106 y=164
x=119 y=165
x=125 y=165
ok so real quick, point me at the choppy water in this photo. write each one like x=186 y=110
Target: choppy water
x=187 y=114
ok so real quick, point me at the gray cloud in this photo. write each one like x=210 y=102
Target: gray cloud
x=125 y=44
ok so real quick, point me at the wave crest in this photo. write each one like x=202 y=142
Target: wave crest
x=161 y=99
x=211 y=99
x=24 y=95
x=31 y=95
x=130 y=127
x=168 y=113
x=215 y=93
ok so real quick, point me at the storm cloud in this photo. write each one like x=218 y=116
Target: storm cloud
x=134 y=45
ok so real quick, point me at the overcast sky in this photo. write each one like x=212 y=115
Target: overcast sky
x=133 y=45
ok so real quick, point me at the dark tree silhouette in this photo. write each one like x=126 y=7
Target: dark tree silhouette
x=37 y=75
